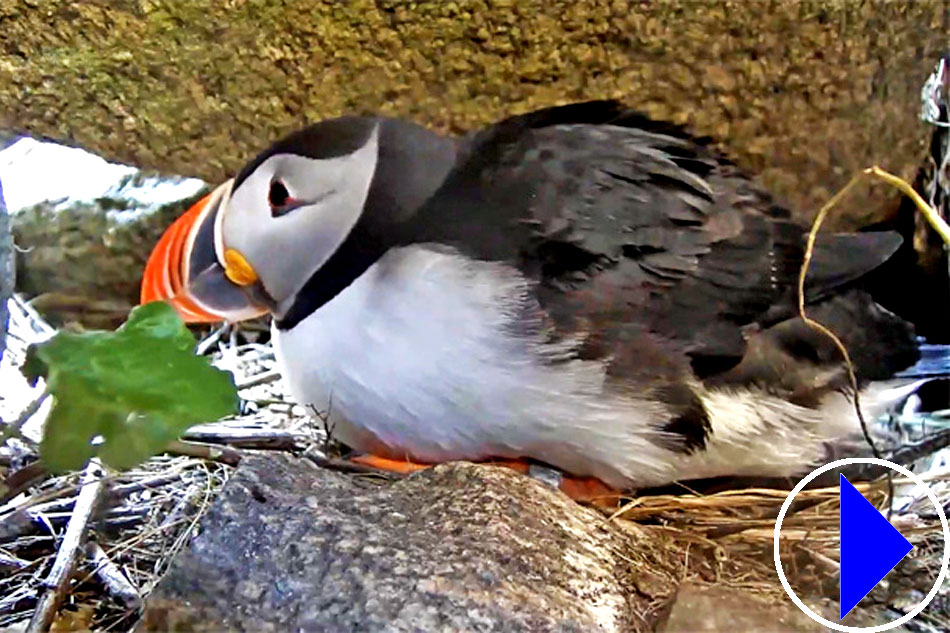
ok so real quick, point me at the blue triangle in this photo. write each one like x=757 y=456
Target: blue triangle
x=870 y=547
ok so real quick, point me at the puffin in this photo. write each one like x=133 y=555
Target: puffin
x=578 y=290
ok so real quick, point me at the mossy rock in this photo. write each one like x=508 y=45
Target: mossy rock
x=83 y=263
x=803 y=94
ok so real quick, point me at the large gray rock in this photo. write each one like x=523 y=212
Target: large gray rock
x=461 y=547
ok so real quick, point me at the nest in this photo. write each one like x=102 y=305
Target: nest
x=152 y=512
x=727 y=538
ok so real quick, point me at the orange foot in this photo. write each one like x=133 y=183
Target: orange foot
x=401 y=466
x=581 y=489
x=590 y=490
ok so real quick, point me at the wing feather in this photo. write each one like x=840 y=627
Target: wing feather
x=653 y=246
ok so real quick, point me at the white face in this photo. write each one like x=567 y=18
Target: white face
x=291 y=214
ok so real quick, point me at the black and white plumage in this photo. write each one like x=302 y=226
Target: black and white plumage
x=580 y=286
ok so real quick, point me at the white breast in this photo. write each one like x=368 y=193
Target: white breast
x=421 y=356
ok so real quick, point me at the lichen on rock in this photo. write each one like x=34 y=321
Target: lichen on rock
x=802 y=93
x=461 y=547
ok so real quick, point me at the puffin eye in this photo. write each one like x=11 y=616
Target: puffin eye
x=278 y=196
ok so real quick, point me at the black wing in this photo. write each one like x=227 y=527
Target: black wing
x=660 y=255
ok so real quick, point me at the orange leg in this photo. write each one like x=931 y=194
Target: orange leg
x=406 y=466
x=402 y=466
x=581 y=489
x=590 y=490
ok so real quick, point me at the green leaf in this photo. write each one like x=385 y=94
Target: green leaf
x=125 y=395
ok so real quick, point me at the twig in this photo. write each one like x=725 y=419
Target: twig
x=930 y=214
x=829 y=563
x=13 y=429
x=183 y=535
x=29 y=314
x=22 y=479
x=262 y=378
x=57 y=582
x=49 y=507
x=36 y=499
x=806 y=262
x=9 y=563
x=223 y=454
x=207 y=342
x=909 y=453
x=22 y=598
x=122 y=514
x=244 y=438
x=149 y=483
x=112 y=577
x=328 y=427
x=65 y=491
x=938 y=225
x=768 y=515
x=179 y=510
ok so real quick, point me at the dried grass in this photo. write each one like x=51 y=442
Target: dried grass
x=726 y=539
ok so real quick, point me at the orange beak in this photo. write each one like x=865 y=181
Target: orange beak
x=164 y=274
x=201 y=293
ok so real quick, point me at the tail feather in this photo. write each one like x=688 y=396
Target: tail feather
x=842 y=258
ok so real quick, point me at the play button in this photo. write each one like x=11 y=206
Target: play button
x=870 y=546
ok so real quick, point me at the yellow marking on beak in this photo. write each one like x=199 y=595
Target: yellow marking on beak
x=237 y=269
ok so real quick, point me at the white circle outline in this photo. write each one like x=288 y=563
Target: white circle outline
x=837 y=464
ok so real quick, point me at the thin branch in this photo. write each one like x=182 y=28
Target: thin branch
x=806 y=262
x=346 y=466
x=29 y=314
x=21 y=598
x=223 y=454
x=112 y=577
x=152 y=482
x=57 y=582
x=930 y=214
x=10 y=563
x=908 y=453
x=22 y=479
x=207 y=342
x=270 y=439
x=13 y=429
x=328 y=427
x=262 y=378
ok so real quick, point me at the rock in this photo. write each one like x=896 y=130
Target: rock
x=289 y=546
x=716 y=609
x=803 y=94
x=460 y=547
x=84 y=263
